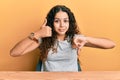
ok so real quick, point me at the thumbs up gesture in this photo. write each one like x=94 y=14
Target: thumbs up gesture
x=44 y=31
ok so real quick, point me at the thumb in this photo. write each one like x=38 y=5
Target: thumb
x=81 y=45
x=45 y=22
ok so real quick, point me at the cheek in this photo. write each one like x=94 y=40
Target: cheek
x=56 y=25
x=67 y=25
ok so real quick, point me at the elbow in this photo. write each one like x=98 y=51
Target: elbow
x=110 y=46
x=14 y=54
x=113 y=45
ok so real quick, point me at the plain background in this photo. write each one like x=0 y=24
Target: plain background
x=97 y=18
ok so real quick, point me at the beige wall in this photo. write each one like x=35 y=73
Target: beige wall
x=98 y=18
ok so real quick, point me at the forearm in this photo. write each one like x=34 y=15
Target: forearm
x=24 y=46
x=99 y=43
x=32 y=42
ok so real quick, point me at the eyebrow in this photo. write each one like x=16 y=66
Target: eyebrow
x=60 y=18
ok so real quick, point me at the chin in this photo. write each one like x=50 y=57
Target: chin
x=62 y=33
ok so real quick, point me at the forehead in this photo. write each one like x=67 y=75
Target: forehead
x=61 y=15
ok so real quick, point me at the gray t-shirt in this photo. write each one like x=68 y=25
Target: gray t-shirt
x=64 y=60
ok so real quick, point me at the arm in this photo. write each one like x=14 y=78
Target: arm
x=102 y=43
x=26 y=45
x=99 y=43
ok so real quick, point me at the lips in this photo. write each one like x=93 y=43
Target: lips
x=61 y=30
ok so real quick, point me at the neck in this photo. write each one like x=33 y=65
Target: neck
x=61 y=37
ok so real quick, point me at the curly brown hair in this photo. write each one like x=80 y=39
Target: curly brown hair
x=49 y=42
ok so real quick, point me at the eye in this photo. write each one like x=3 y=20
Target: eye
x=66 y=21
x=56 y=21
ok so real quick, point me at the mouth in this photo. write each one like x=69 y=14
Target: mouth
x=61 y=30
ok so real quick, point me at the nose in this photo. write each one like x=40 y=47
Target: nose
x=61 y=24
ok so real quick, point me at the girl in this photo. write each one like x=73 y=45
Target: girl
x=59 y=41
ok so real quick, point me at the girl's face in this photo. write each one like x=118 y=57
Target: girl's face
x=61 y=23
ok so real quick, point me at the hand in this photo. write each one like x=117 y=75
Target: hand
x=79 y=41
x=45 y=31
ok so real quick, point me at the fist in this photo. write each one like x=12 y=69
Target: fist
x=79 y=41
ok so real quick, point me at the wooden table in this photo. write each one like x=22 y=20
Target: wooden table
x=84 y=75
